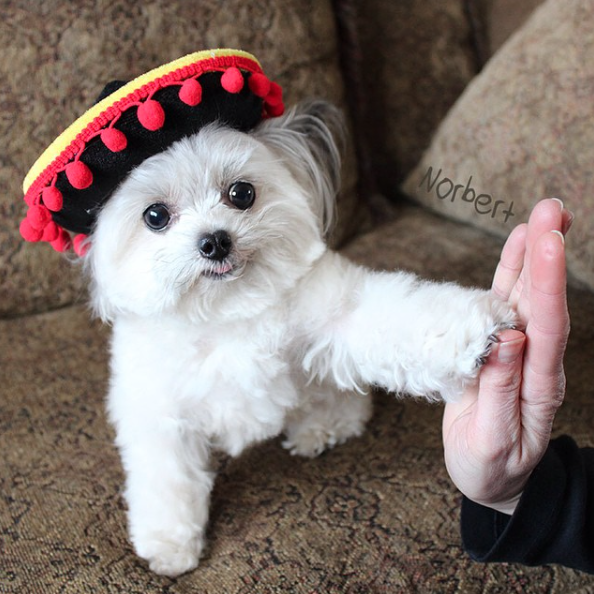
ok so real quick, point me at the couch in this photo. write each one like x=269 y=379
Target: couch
x=495 y=95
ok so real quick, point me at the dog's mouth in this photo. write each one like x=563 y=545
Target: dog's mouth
x=221 y=271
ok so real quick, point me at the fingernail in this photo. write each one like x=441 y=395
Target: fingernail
x=562 y=206
x=560 y=235
x=508 y=352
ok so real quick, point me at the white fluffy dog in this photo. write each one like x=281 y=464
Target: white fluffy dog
x=233 y=322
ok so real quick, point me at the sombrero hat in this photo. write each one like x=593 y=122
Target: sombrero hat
x=79 y=171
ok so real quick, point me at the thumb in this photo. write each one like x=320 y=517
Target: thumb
x=507 y=351
x=501 y=379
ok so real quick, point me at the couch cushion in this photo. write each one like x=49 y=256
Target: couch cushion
x=377 y=514
x=501 y=18
x=57 y=57
x=522 y=131
x=416 y=59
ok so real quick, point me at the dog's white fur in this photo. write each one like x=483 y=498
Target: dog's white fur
x=283 y=336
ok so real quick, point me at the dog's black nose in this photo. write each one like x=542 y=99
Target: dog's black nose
x=215 y=246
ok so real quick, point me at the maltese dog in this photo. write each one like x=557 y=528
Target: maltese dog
x=233 y=322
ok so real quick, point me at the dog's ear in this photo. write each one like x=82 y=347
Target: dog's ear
x=308 y=138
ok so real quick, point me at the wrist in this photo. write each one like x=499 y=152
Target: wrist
x=505 y=507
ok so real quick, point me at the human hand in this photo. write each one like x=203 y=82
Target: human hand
x=496 y=434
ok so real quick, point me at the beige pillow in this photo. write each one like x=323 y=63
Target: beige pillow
x=522 y=131
x=57 y=56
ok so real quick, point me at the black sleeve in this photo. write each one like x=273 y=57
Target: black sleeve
x=554 y=520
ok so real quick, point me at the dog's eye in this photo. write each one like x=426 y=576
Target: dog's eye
x=157 y=217
x=241 y=195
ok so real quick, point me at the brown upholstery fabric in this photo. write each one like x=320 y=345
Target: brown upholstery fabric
x=523 y=131
x=504 y=17
x=378 y=514
x=57 y=56
x=416 y=60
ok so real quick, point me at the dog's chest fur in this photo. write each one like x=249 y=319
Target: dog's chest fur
x=223 y=380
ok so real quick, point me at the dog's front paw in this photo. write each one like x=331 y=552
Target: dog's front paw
x=473 y=338
x=498 y=316
x=168 y=555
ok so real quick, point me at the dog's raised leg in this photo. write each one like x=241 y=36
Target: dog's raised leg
x=396 y=330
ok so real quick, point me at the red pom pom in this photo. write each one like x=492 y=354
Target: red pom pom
x=29 y=233
x=51 y=232
x=115 y=140
x=81 y=246
x=52 y=198
x=191 y=92
x=274 y=111
x=63 y=242
x=259 y=84
x=79 y=175
x=38 y=216
x=31 y=199
x=232 y=80
x=275 y=95
x=151 y=115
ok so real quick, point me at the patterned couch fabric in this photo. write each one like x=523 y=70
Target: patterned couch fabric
x=522 y=131
x=57 y=56
x=375 y=515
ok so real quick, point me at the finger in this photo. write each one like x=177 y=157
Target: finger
x=548 y=326
x=510 y=263
x=546 y=216
x=543 y=379
x=499 y=391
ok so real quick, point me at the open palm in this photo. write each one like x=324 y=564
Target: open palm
x=498 y=431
